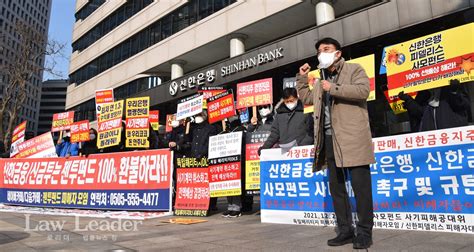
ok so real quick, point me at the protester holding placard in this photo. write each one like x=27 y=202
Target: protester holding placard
x=438 y=108
x=200 y=133
x=65 y=148
x=265 y=113
x=291 y=126
x=177 y=139
x=90 y=147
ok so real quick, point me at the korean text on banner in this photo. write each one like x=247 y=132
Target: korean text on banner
x=80 y=131
x=154 y=118
x=103 y=97
x=220 y=106
x=209 y=92
x=421 y=181
x=138 y=180
x=192 y=187
x=189 y=107
x=110 y=125
x=253 y=141
x=225 y=164
x=17 y=138
x=431 y=61
x=62 y=121
x=41 y=146
x=137 y=120
x=254 y=93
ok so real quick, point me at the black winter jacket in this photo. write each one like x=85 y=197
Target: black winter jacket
x=200 y=139
x=453 y=111
x=290 y=125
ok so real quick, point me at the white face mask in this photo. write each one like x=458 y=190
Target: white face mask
x=92 y=136
x=326 y=59
x=291 y=106
x=264 y=112
x=199 y=119
x=174 y=124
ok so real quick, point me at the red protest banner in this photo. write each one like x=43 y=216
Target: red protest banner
x=39 y=147
x=254 y=93
x=80 y=131
x=138 y=180
x=192 y=183
x=154 y=117
x=220 y=106
x=62 y=121
x=102 y=97
x=17 y=138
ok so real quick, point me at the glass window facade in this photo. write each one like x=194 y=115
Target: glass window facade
x=88 y=9
x=86 y=110
x=172 y=23
x=115 y=19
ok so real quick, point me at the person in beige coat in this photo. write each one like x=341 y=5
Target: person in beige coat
x=342 y=137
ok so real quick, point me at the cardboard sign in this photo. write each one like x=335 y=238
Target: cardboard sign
x=189 y=107
x=110 y=125
x=431 y=61
x=80 y=131
x=62 y=121
x=192 y=183
x=225 y=155
x=39 y=147
x=17 y=138
x=134 y=180
x=102 y=97
x=154 y=117
x=220 y=106
x=137 y=129
x=254 y=93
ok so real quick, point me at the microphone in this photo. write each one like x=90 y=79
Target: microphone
x=322 y=74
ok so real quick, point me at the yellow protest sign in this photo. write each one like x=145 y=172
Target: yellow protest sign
x=137 y=122
x=431 y=61
x=110 y=124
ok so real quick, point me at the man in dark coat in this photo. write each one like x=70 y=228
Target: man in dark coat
x=439 y=108
x=290 y=123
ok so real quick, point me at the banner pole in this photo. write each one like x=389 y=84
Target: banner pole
x=254 y=111
x=188 y=125
x=60 y=136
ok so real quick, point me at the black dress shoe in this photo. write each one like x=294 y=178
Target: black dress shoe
x=341 y=239
x=362 y=242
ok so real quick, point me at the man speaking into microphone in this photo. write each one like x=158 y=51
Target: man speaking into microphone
x=342 y=138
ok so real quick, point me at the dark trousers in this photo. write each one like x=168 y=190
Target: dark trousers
x=362 y=187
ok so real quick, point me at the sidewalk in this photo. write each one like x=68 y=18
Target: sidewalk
x=245 y=233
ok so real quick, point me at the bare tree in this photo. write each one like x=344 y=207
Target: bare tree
x=19 y=69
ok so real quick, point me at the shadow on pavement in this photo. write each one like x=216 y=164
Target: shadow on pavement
x=12 y=236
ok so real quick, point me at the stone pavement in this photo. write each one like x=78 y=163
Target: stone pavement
x=218 y=234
